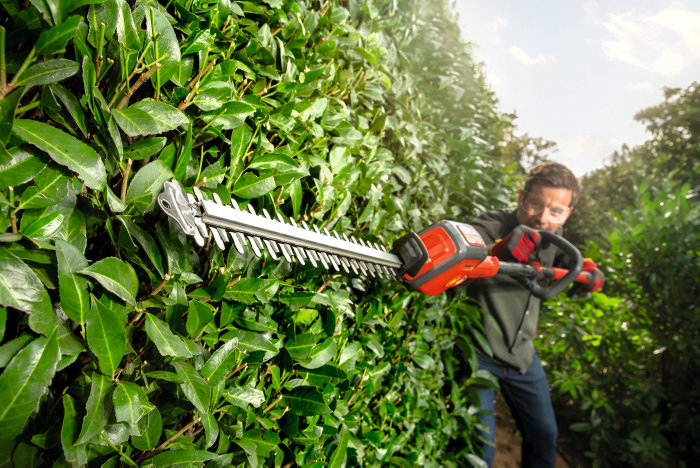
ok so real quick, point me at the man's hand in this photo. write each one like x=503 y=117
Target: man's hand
x=519 y=244
x=597 y=276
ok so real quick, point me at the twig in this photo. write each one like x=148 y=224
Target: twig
x=272 y=405
x=142 y=79
x=235 y=371
x=194 y=85
x=100 y=51
x=121 y=453
x=3 y=68
x=172 y=438
x=325 y=285
x=161 y=285
x=125 y=179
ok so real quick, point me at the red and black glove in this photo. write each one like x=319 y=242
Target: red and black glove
x=519 y=244
x=597 y=276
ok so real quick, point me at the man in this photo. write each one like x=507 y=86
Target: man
x=545 y=203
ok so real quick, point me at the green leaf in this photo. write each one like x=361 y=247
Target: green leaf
x=126 y=29
x=69 y=431
x=199 y=315
x=50 y=71
x=166 y=49
x=339 y=454
x=146 y=241
x=306 y=401
x=12 y=347
x=115 y=276
x=181 y=457
x=44 y=226
x=145 y=148
x=98 y=407
x=148 y=181
x=128 y=399
x=71 y=104
x=149 y=117
x=300 y=346
x=320 y=354
x=150 y=437
x=195 y=388
x=252 y=186
x=24 y=165
x=106 y=335
x=65 y=150
x=8 y=105
x=168 y=344
x=263 y=441
x=72 y=289
x=250 y=342
x=22 y=289
x=244 y=396
x=211 y=427
x=55 y=39
x=221 y=362
x=250 y=290
x=23 y=383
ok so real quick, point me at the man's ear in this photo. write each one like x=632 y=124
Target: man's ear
x=520 y=195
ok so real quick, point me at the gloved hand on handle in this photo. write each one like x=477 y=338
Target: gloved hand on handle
x=519 y=244
x=597 y=277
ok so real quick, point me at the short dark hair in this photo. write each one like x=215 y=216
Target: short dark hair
x=553 y=174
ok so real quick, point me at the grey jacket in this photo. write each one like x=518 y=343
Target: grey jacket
x=514 y=309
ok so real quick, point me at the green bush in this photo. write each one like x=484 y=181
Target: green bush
x=625 y=365
x=121 y=342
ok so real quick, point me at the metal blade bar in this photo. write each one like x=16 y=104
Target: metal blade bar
x=220 y=216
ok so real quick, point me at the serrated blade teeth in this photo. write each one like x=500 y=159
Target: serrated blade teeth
x=217 y=238
x=254 y=246
x=286 y=253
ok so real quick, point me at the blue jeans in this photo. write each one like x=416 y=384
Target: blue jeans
x=530 y=405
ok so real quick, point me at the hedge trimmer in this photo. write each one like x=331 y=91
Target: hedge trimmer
x=441 y=256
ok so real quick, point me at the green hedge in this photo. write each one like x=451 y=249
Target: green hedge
x=121 y=342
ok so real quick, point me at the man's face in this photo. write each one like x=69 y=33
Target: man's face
x=543 y=207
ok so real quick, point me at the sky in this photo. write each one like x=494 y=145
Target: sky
x=576 y=72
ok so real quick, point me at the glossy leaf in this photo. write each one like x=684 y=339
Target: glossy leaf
x=55 y=39
x=245 y=396
x=168 y=344
x=250 y=342
x=75 y=299
x=8 y=105
x=24 y=381
x=106 y=336
x=199 y=315
x=69 y=432
x=306 y=401
x=339 y=454
x=145 y=148
x=252 y=186
x=116 y=276
x=151 y=435
x=221 y=362
x=195 y=388
x=50 y=71
x=12 y=347
x=180 y=457
x=146 y=241
x=166 y=48
x=148 y=181
x=128 y=399
x=149 y=118
x=320 y=354
x=98 y=407
x=22 y=289
x=65 y=150
x=23 y=167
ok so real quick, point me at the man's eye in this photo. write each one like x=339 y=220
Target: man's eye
x=557 y=211
x=537 y=205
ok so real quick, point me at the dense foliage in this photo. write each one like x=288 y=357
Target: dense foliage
x=625 y=366
x=121 y=343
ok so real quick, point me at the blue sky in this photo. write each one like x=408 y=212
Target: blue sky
x=577 y=72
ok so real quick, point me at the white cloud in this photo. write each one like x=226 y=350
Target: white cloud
x=641 y=86
x=521 y=56
x=665 y=42
x=583 y=152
